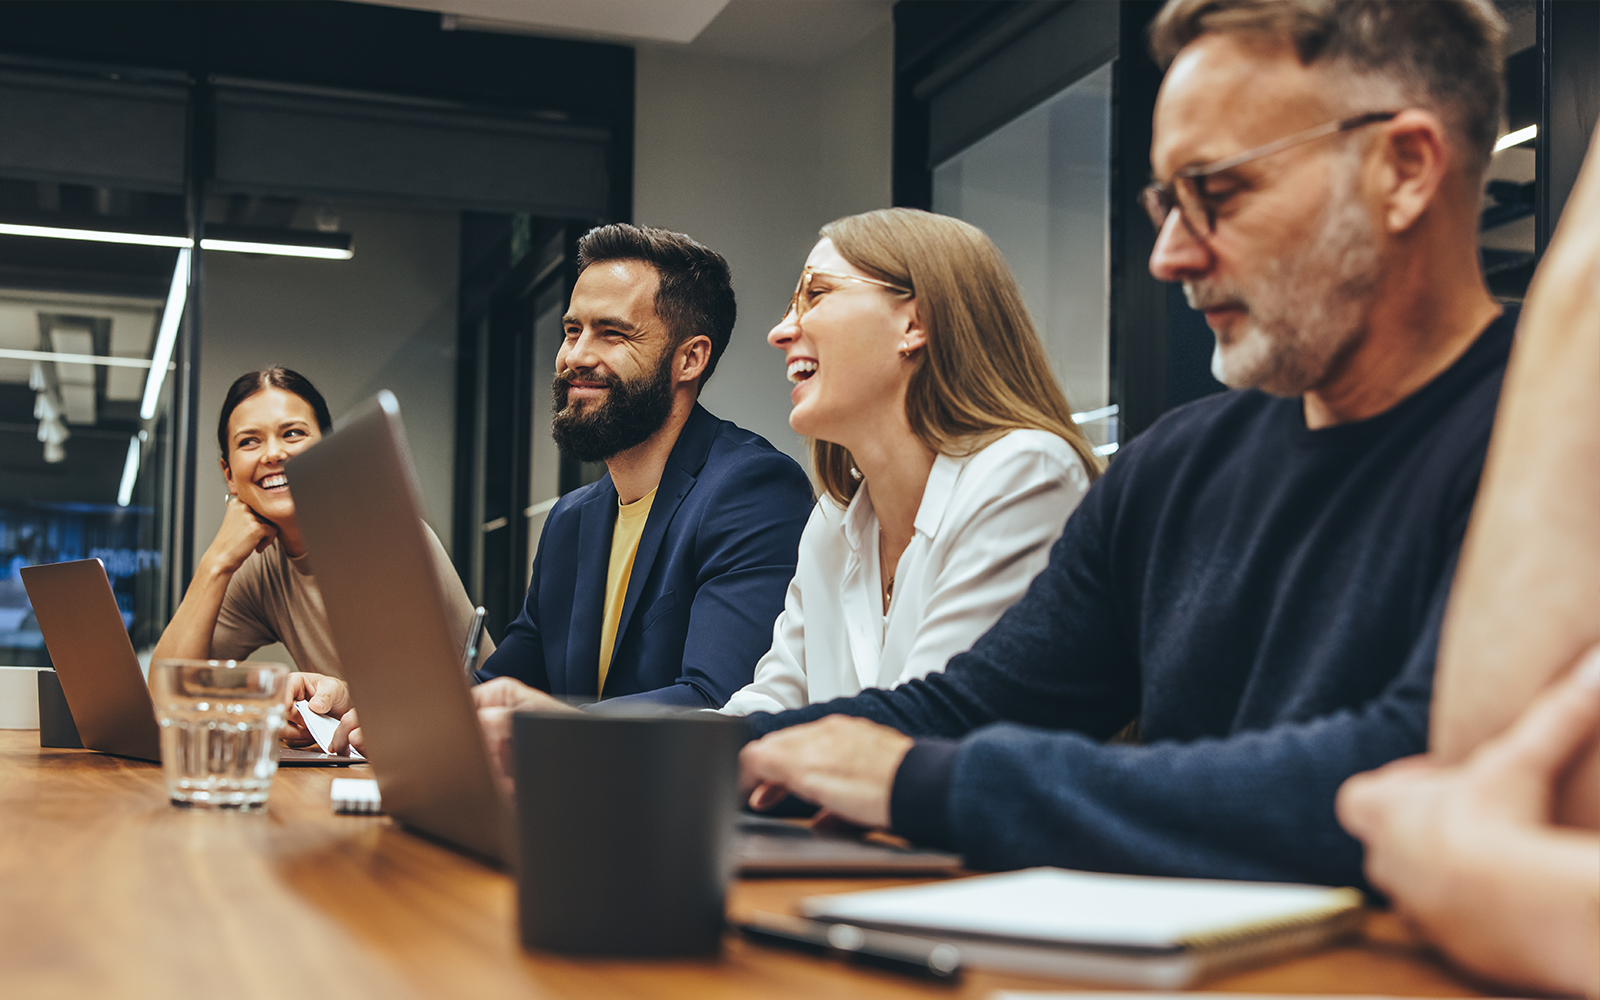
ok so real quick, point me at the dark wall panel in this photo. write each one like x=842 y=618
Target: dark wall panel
x=1049 y=51
x=87 y=131
x=1569 y=43
x=318 y=145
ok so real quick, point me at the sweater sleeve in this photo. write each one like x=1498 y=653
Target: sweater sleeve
x=1031 y=780
x=1254 y=805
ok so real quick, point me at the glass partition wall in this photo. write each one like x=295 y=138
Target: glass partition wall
x=1040 y=186
x=89 y=320
x=165 y=229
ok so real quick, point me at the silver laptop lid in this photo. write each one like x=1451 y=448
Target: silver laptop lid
x=356 y=500
x=94 y=658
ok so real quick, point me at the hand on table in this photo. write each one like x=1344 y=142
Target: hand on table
x=497 y=700
x=843 y=764
x=1461 y=849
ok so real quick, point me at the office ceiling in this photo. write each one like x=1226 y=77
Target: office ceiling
x=633 y=20
x=788 y=32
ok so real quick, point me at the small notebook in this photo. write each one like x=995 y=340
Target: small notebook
x=1160 y=933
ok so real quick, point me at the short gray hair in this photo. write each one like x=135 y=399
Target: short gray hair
x=1444 y=55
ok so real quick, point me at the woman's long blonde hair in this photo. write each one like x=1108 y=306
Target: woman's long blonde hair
x=983 y=371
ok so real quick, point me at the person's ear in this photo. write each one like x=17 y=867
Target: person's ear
x=227 y=474
x=694 y=355
x=1414 y=157
x=915 y=337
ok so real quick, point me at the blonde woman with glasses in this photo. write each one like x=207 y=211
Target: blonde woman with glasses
x=945 y=449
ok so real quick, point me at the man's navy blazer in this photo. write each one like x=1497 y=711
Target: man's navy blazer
x=713 y=564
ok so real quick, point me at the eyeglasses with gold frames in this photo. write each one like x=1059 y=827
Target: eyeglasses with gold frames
x=799 y=302
x=1198 y=207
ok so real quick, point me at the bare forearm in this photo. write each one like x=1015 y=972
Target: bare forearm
x=1536 y=523
x=188 y=635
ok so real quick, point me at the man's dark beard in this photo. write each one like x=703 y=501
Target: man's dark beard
x=632 y=411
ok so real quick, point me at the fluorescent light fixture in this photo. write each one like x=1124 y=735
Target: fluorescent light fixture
x=130 y=471
x=177 y=295
x=281 y=249
x=1090 y=416
x=1106 y=449
x=1518 y=137
x=73 y=359
x=95 y=236
x=308 y=247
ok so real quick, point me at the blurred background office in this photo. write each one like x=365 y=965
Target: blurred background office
x=388 y=196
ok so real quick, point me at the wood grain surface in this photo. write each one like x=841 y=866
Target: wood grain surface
x=106 y=890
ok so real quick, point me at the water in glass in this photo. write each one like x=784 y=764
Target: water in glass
x=220 y=722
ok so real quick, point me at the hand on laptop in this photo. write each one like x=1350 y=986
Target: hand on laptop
x=496 y=701
x=843 y=764
x=328 y=696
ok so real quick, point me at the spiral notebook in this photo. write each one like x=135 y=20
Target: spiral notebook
x=1157 y=933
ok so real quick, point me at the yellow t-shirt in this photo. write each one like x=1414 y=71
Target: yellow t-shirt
x=624 y=546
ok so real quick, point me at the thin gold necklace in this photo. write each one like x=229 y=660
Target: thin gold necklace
x=888 y=577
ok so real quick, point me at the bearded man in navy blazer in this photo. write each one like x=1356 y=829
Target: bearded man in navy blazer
x=661 y=581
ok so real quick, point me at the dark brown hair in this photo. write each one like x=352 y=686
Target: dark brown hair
x=695 y=296
x=250 y=383
x=984 y=371
x=1444 y=55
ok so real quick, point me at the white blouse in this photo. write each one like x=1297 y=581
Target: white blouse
x=983 y=532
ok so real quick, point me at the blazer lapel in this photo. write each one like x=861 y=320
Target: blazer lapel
x=673 y=488
x=677 y=479
x=598 y=516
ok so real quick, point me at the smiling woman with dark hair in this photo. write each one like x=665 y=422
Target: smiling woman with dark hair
x=254 y=585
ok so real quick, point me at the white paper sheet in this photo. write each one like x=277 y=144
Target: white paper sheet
x=322 y=727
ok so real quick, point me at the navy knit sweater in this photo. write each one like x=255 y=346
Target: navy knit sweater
x=1264 y=598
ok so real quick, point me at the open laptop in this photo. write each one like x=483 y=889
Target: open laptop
x=99 y=672
x=356 y=500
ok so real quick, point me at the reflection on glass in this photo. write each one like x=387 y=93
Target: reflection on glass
x=1040 y=187
x=83 y=465
x=1506 y=225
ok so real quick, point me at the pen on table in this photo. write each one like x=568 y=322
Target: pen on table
x=912 y=956
x=469 y=654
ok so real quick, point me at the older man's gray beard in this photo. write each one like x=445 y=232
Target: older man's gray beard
x=1308 y=309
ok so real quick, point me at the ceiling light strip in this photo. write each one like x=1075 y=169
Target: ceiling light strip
x=176 y=242
x=130 y=472
x=281 y=249
x=1516 y=138
x=95 y=236
x=1090 y=416
x=73 y=359
x=177 y=295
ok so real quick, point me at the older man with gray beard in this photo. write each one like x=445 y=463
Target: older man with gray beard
x=1259 y=578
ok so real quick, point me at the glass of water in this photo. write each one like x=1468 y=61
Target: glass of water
x=220 y=721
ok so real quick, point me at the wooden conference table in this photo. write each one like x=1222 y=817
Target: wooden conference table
x=107 y=891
